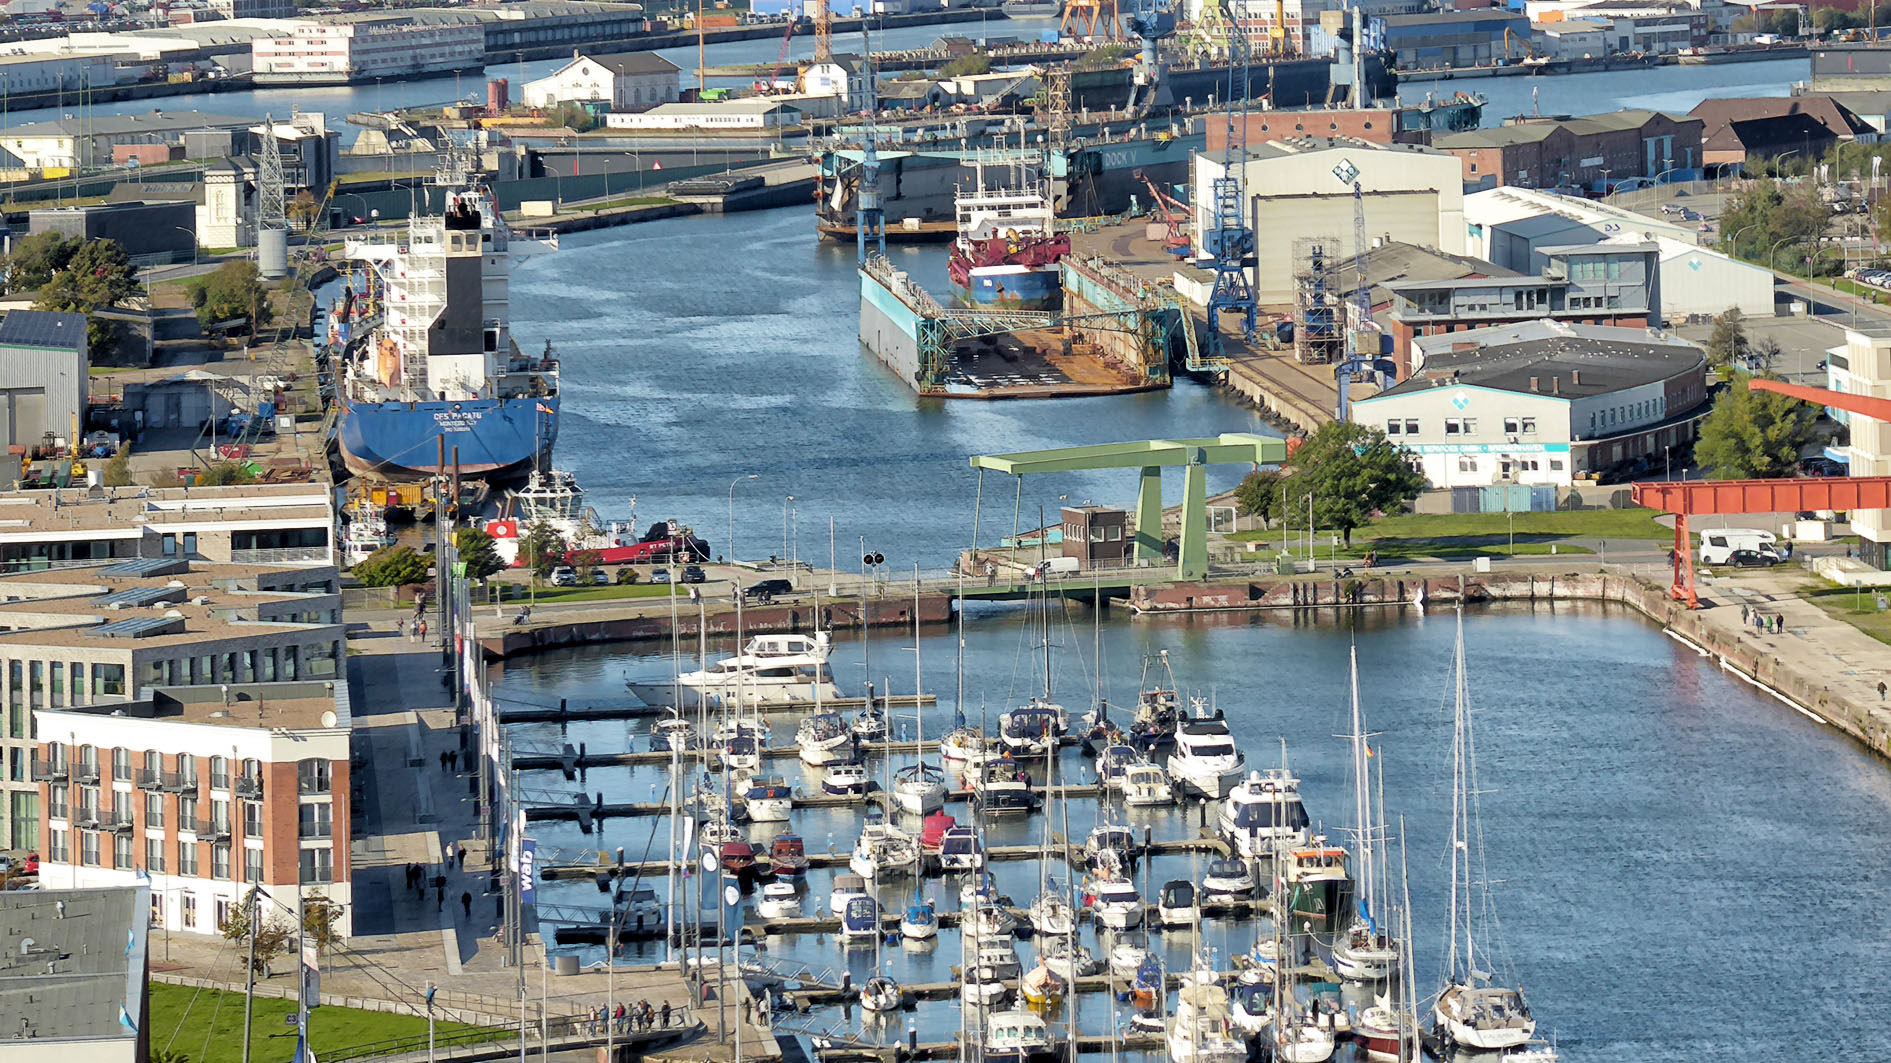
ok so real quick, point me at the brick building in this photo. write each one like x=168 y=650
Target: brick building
x=205 y=790
x=1594 y=152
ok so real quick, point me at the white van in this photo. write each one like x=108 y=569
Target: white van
x=1718 y=544
x=1053 y=567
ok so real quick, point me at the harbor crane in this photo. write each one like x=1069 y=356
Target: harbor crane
x=1174 y=216
x=1360 y=355
x=1231 y=238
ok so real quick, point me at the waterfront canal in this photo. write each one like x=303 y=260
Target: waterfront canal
x=1683 y=867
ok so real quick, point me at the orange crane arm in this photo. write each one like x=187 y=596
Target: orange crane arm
x=1876 y=408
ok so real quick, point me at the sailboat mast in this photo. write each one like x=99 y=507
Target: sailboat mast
x=1362 y=806
x=1460 y=851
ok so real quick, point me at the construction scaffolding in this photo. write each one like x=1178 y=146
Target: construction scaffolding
x=1319 y=314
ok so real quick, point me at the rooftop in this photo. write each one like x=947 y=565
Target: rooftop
x=298 y=706
x=155 y=122
x=635 y=63
x=74 y=965
x=1530 y=132
x=1289 y=146
x=1448 y=18
x=43 y=328
x=1568 y=361
x=34 y=515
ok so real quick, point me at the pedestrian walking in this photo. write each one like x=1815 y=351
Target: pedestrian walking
x=423 y=630
x=618 y=1018
x=400 y=627
x=665 y=1011
x=449 y=855
x=453 y=764
x=1881 y=689
x=439 y=894
x=599 y=1018
x=466 y=903
x=460 y=853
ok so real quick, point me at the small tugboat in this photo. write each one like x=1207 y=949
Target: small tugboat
x=1316 y=888
x=824 y=739
x=1228 y=879
x=778 y=901
x=788 y=856
x=860 y=920
x=846 y=780
x=920 y=922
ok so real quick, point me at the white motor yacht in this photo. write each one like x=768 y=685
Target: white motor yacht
x=969 y=746
x=846 y=780
x=1262 y=815
x=884 y=851
x=1363 y=953
x=1204 y=762
x=786 y=669
x=365 y=533
x=1001 y=955
x=778 y=901
x=1175 y=904
x=768 y=800
x=1199 y=1030
x=1251 y=1006
x=1031 y=732
x=860 y=920
x=846 y=888
x=1228 y=879
x=1127 y=954
x=983 y=986
x=1146 y=785
x=1116 y=903
x=824 y=739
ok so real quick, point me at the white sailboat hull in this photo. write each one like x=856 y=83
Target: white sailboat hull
x=919 y=800
x=1369 y=964
x=770 y=810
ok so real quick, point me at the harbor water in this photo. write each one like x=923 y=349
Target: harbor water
x=1683 y=867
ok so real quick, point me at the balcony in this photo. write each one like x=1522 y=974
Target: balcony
x=87 y=819
x=86 y=774
x=152 y=780
x=118 y=822
x=49 y=771
x=249 y=787
x=209 y=830
x=179 y=784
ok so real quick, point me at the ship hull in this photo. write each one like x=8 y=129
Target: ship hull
x=494 y=439
x=1031 y=289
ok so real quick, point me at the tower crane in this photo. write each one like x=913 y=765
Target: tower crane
x=1361 y=323
x=1231 y=238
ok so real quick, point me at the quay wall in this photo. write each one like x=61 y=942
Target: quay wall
x=833 y=614
x=889 y=328
x=1095 y=287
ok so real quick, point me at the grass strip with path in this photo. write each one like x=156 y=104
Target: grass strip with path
x=181 y=1021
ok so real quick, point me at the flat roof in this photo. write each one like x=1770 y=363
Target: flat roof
x=1580 y=360
x=85 y=967
x=33 y=515
x=152 y=121
x=297 y=705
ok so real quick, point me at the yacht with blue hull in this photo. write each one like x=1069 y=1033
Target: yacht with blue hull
x=431 y=379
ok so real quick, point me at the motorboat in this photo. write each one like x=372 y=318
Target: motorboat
x=778 y=901
x=860 y=920
x=1228 y=879
x=1003 y=787
x=884 y=851
x=1486 y=1017
x=990 y=920
x=1263 y=814
x=919 y=922
x=983 y=986
x=1199 y=1031
x=932 y=831
x=707 y=798
x=788 y=856
x=716 y=833
x=881 y=993
x=1116 y=903
x=786 y=669
x=1051 y=915
x=1001 y=955
x=1362 y=953
x=737 y=859
x=672 y=733
x=1068 y=958
x=981 y=888
x=1150 y=983
x=768 y=800
x=1113 y=763
x=1041 y=987
x=846 y=780
x=1146 y=785
x=959 y=850
x=824 y=738
x=1204 y=762
x=364 y=533
x=846 y=887
x=1030 y=732
x=1380 y=1032
x=1314 y=887
x=640 y=911
x=1251 y=1006
x=1127 y=953
x=869 y=724
x=742 y=753
x=919 y=789
x=1112 y=844
x=1175 y=904
x=1018 y=1036
x=968 y=746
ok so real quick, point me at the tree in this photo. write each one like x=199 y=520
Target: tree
x=302 y=208
x=586 y=562
x=571 y=116
x=1753 y=434
x=117 y=471
x=36 y=258
x=1259 y=494
x=1728 y=345
x=98 y=275
x=272 y=935
x=478 y=553
x=226 y=474
x=392 y=566
x=967 y=65
x=542 y=549
x=235 y=290
x=1353 y=474
x=320 y=916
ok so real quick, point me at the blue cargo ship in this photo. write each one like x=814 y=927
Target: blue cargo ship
x=432 y=381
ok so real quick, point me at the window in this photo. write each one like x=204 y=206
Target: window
x=220 y=860
x=1510 y=426
x=318 y=865
x=1453 y=426
x=312 y=776
x=187 y=812
x=187 y=858
x=56 y=802
x=219 y=773
x=315 y=821
x=1411 y=426
x=220 y=815
x=190 y=910
x=154 y=810
x=121 y=765
x=56 y=846
x=108 y=680
x=221 y=909
x=1467 y=464
x=59 y=682
x=1392 y=426
x=78 y=682
x=121 y=852
x=154 y=855
x=88 y=803
x=88 y=848
x=1529 y=426
x=253 y=819
x=187 y=769
x=1556 y=464
x=252 y=865
x=1470 y=426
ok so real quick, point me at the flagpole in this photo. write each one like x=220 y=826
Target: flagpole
x=301 y=980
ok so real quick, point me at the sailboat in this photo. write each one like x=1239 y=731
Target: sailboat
x=1471 y=1010
x=918 y=788
x=1363 y=952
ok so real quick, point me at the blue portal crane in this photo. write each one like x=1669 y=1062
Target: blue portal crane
x=1231 y=238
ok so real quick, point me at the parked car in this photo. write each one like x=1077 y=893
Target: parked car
x=767 y=590
x=600 y=578
x=1753 y=559
x=564 y=576
x=694 y=574
x=660 y=575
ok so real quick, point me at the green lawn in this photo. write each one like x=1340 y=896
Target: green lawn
x=185 y=1026
x=1461 y=535
x=599 y=594
x=1856 y=607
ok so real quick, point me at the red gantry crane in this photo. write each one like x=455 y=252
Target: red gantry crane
x=1174 y=215
x=1706 y=497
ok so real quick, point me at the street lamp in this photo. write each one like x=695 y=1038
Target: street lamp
x=1657 y=183
x=1736 y=237
x=1775 y=251
x=1779 y=161
x=193 y=242
x=785 y=503
x=732 y=483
